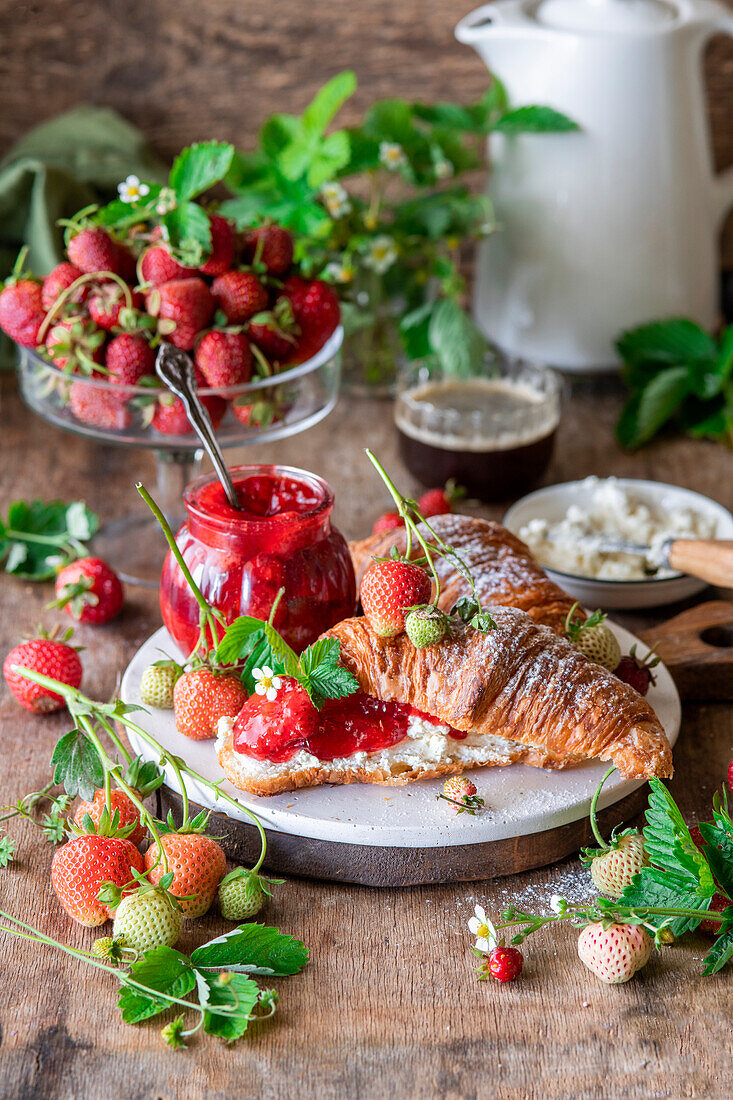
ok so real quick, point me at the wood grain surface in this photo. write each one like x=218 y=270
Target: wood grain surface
x=184 y=70
x=389 y=1005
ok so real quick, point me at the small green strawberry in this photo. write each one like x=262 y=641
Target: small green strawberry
x=151 y=917
x=593 y=638
x=243 y=893
x=425 y=626
x=157 y=683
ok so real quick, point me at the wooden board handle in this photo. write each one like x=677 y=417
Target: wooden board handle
x=709 y=559
x=697 y=648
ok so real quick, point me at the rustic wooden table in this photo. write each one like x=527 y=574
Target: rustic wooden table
x=389 y=1005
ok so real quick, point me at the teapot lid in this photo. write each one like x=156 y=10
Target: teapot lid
x=606 y=16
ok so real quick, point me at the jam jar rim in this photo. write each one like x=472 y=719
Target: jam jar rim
x=244 y=523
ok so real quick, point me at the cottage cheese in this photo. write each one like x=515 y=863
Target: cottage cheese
x=611 y=510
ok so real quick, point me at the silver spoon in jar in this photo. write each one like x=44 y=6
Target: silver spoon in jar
x=175 y=369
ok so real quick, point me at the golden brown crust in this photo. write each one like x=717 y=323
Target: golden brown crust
x=502 y=566
x=521 y=682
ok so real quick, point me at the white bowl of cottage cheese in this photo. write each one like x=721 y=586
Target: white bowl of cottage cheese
x=563 y=525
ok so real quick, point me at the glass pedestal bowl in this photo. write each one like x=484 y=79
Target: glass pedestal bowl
x=270 y=408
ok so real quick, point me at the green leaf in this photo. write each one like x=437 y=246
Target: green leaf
x=239 y=996
x=719 y=852
x=162 y=969
x=327 y=101
x=321 y=674
x=77 y=765
x=7 y=850
x=721 y=951
x=253 y=949
x=666 y=343
x=415 y=331
x=534 y=120
x=199 y=167
x=333 y=154
x=391 y=120
x=277 y=133
x=189 y=232
x=458 y=343
x=38 y=537
x=658 y=402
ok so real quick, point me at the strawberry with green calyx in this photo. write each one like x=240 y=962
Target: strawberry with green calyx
x=143 y=777
x=21 y=305
x=439 y=502
x=243 y=893
x=388 y=589
x=637 y=671
x=613 y=865
x=107 y=947
x=80 y=287
x=196 y=861
x=426 y=626
x=49 y=655
x=593 y=638
x=413 y=520
x=82 y=865
x=150 y=917
x=461 y=793
x=89 y=590
x=158 y=681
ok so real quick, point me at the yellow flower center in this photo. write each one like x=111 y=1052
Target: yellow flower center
x=482 y=931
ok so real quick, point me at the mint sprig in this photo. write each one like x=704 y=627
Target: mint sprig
x=257 y=643
x=39 y=537
x=680 y=376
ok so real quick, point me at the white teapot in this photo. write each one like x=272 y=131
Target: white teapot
x=617 y=223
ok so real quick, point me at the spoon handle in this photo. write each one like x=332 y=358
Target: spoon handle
x=709 y=559
x=175 y=368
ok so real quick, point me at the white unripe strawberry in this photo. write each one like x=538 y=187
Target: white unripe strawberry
x=614 y=954
x=148 y=919
x=593 y=638
x=612 y=870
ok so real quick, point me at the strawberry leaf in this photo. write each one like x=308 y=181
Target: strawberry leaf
x=722 y=949
x=236 y=998
x=199 y=167
x=7 y=850
x=77 y=765
x=321 y=674
x=253 y=949
x=534 y=120
x=719 y=851
x=163 y=970
x=39 y=536
x=189 y=232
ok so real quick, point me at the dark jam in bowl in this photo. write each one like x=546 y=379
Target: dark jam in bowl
x=494 y=436
x=281 y=538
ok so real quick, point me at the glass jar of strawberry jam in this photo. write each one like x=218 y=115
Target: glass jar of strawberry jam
x=282 y=537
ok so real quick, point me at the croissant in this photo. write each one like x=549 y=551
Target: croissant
x=520 y=693
x=502 y=566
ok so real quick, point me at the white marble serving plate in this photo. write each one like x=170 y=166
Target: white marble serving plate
x=520 y=800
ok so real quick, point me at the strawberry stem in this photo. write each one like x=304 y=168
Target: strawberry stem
x=593 y=805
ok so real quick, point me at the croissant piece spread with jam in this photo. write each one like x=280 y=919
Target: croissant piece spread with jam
x=519 y=693
x=501 y=564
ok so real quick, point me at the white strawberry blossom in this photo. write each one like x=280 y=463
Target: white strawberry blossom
x=166 y=201
x=392 y=155
x=266 y=683
x=336 y=199
x=482 y=929
x=339 y=273
x=558 y=904
x=381 y=254
x=131 y=189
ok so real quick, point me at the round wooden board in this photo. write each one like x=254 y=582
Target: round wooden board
x=395 y=836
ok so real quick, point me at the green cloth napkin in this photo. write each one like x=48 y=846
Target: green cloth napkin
x=69 y=162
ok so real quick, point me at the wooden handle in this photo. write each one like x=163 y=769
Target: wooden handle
x=709 y=559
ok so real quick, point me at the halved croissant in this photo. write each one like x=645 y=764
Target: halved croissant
x=502 y=566
x=521 y=692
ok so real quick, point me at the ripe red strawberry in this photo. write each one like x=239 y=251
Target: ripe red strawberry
x=81 y=866
x=636 y=672
x=99 y=406
x=89 y=591
x=435 y=502
x=275 y=249
x=224 y=358
x=157 y=266
x=258 y=414
x=57 y=660
x=615 y=953
x=388 y=588
x=275 y=342
x=389 y=521
x=202 y=697
x=93 y=249
x=239 y=294
x=198 y=865
x=170 y=414
x=505 y=963
x=60 y=279
x=75 y=344
x=128 y=358
x=105 y=304
x=317 y=314
x=22 y=311
x=127 y=813
x=187 y=304
x=223 y=241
